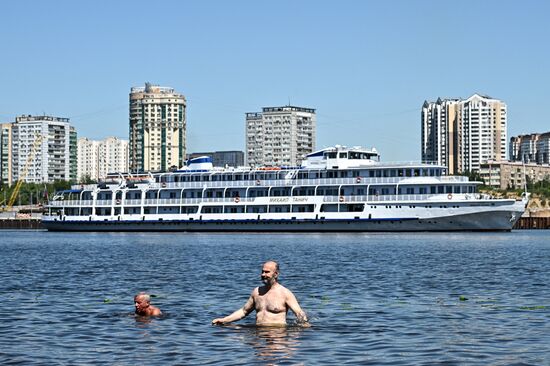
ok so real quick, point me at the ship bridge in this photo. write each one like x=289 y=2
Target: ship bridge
x=342 y=157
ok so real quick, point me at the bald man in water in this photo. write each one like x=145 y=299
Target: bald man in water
x=271 y=301
x=142 y=302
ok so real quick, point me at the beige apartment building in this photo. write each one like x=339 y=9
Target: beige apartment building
x=512 y=174
x=98 y=158
x=280 y=136
x=157 y=128
x=463 y=134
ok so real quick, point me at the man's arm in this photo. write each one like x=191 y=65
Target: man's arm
x=292 y=303
x=238 y=314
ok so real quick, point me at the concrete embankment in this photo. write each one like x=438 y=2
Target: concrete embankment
x=533 y=223
x=26 y=224
x=36 y=224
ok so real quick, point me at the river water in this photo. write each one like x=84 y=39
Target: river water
x=381 y=299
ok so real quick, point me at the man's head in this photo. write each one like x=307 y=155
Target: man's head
x=142 y=301
x=270 y=273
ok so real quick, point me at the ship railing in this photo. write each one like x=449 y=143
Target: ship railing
x=285 y=182
x=406 y=198
x=446 y=197
x=296 y=182
x=453 y=178
x=379 y=198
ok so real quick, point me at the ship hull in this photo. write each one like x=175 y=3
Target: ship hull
x=480 y=221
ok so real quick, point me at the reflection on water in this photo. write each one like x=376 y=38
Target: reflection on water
x=271 y=345
x=382 y=299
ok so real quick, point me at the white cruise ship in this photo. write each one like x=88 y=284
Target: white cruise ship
x=336 y=189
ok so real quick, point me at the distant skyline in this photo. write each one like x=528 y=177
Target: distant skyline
x=365 y=66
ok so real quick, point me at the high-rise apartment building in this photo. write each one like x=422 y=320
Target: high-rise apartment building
x=113 y=156
x=533 y=148
x=5 y=154
x=462 y=134
x=157 y=128
x=439 y=137
x=73 y=153
x=232 y=158
x=98 y=158
x=280 y=136
x=88 y=159
x=52 y=158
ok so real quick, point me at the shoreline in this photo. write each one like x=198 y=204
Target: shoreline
x=524 y=223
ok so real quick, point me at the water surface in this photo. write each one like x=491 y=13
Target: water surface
x=381 y=299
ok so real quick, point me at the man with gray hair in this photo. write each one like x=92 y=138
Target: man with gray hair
x=142 y=302
x=270 y=301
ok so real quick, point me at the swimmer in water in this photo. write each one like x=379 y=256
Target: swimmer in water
x=142 y=302
x=271 y=302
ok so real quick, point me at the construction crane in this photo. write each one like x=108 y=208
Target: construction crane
x=23 y=173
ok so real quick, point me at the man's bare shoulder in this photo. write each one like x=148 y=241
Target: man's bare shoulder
x=287 y=292
x=155 y=311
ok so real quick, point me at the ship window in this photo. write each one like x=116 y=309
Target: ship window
x=432 y=189
x=189 y=209
x=355 y=207
x=449 y=189
x=329 y=208
x=256 y=209
x=408 y=172
x=212 y=209
x=423 y=190
x=371 y=173
x=343 y=155
x=234 y=209
x=400 y=172
x=440 y=189
x=279 y=208
x=331 y=155
x=457 y=189
x=303 y=208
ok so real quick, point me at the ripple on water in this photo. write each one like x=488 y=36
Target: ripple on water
x=381 y=299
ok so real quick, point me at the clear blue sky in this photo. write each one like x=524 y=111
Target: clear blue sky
x=366 y=66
